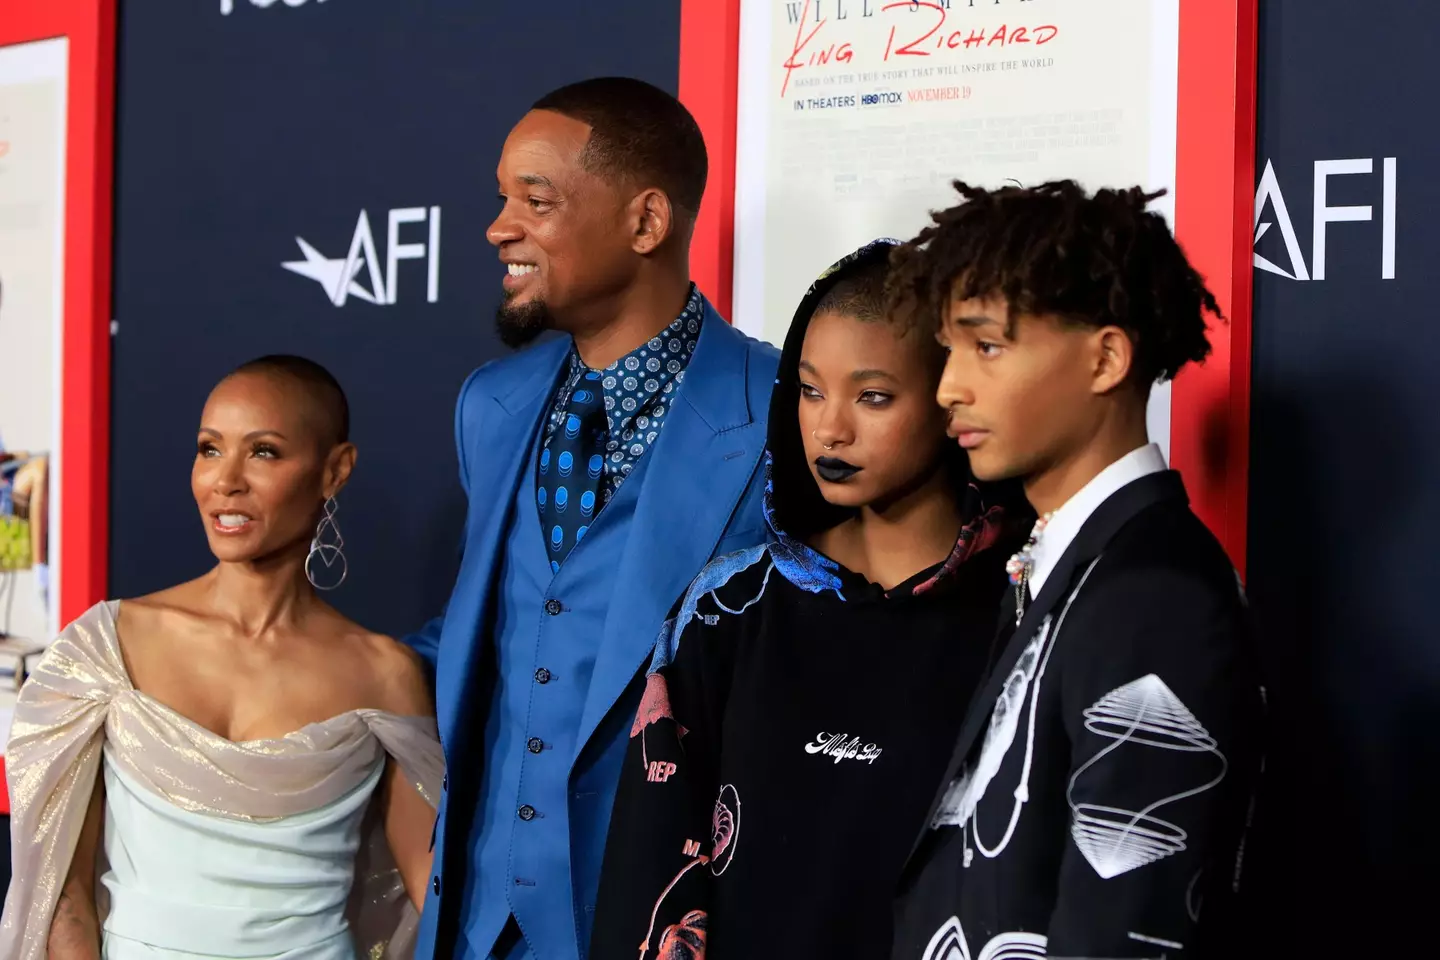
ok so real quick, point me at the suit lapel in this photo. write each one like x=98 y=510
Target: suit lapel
x=699 y=468
x=497 y=448
x=1088 y=544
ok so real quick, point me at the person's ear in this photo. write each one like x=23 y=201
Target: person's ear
x=653 y=220
x=338 y=466
x=1112 y=356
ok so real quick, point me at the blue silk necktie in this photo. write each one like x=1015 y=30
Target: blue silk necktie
x=571 y=466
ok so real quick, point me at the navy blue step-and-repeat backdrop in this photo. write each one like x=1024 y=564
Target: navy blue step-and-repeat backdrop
x=265 y=151
x=1343 y=570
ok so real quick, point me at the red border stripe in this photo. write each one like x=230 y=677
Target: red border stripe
x=709 y=79
x=1215 y=178
x=85 y=341
x=85 y=389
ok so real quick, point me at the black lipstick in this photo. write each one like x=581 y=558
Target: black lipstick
x=835 y=470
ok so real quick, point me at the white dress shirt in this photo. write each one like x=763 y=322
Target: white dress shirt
x=1066 y=522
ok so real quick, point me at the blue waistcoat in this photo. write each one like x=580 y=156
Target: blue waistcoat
x=519 y=841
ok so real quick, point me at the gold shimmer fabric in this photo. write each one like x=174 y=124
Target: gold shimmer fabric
x=80 y=697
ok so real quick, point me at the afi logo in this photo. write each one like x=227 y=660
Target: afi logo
x=1269 y=192
x=339 y=277
x=227 y=7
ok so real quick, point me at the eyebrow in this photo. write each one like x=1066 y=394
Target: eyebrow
x=252 y=435
x=859 y=376
x=535 y=180
x=978 y=320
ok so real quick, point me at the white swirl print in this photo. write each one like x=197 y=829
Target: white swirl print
x=949 y=943
x=1142 y=713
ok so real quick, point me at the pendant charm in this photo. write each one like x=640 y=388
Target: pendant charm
x=1019 y=566
x=1023 y=560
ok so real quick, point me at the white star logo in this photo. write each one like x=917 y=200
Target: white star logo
x=331 y=274
x=337 y=276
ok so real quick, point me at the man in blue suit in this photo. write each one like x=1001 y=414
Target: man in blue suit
x=604 y=468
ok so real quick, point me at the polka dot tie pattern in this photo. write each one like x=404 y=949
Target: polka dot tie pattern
x=571 y=467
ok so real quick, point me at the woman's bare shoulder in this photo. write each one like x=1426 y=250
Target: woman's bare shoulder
x=155 y=614
x=399 y=676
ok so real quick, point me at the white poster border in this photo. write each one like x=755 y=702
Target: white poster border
x=754 y=101
x=31 y=62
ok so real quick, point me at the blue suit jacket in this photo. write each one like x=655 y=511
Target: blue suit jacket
x=701 y=498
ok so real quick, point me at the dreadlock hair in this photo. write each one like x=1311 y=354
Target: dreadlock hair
x=1090 y=260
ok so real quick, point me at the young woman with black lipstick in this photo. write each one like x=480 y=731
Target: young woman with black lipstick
x=803 y=700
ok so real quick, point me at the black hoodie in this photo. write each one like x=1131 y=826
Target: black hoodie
x=796 y=722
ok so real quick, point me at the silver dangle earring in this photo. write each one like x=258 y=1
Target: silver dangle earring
x=329 y=553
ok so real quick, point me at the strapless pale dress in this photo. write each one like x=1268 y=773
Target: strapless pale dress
x=212 y=848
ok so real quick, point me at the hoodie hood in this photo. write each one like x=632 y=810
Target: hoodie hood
x=794 y=507
x=793 y=502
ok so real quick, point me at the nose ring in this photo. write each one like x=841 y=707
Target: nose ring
x=815 y=435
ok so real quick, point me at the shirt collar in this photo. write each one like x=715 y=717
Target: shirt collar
x=677 y=341
x=1065 y=523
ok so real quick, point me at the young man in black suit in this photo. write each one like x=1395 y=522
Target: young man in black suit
x=1097 y=796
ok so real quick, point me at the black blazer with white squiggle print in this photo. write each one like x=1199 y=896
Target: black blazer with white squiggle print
x=1096 y=799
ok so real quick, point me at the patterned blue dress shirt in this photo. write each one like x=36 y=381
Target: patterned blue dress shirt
x=639 y=391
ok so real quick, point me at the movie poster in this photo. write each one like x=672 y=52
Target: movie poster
x=856 y=115
x=32 y=155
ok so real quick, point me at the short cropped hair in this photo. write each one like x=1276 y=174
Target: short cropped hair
x=860 y=295
x=637 y=131
x=1090 y=259
x=318 y=383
